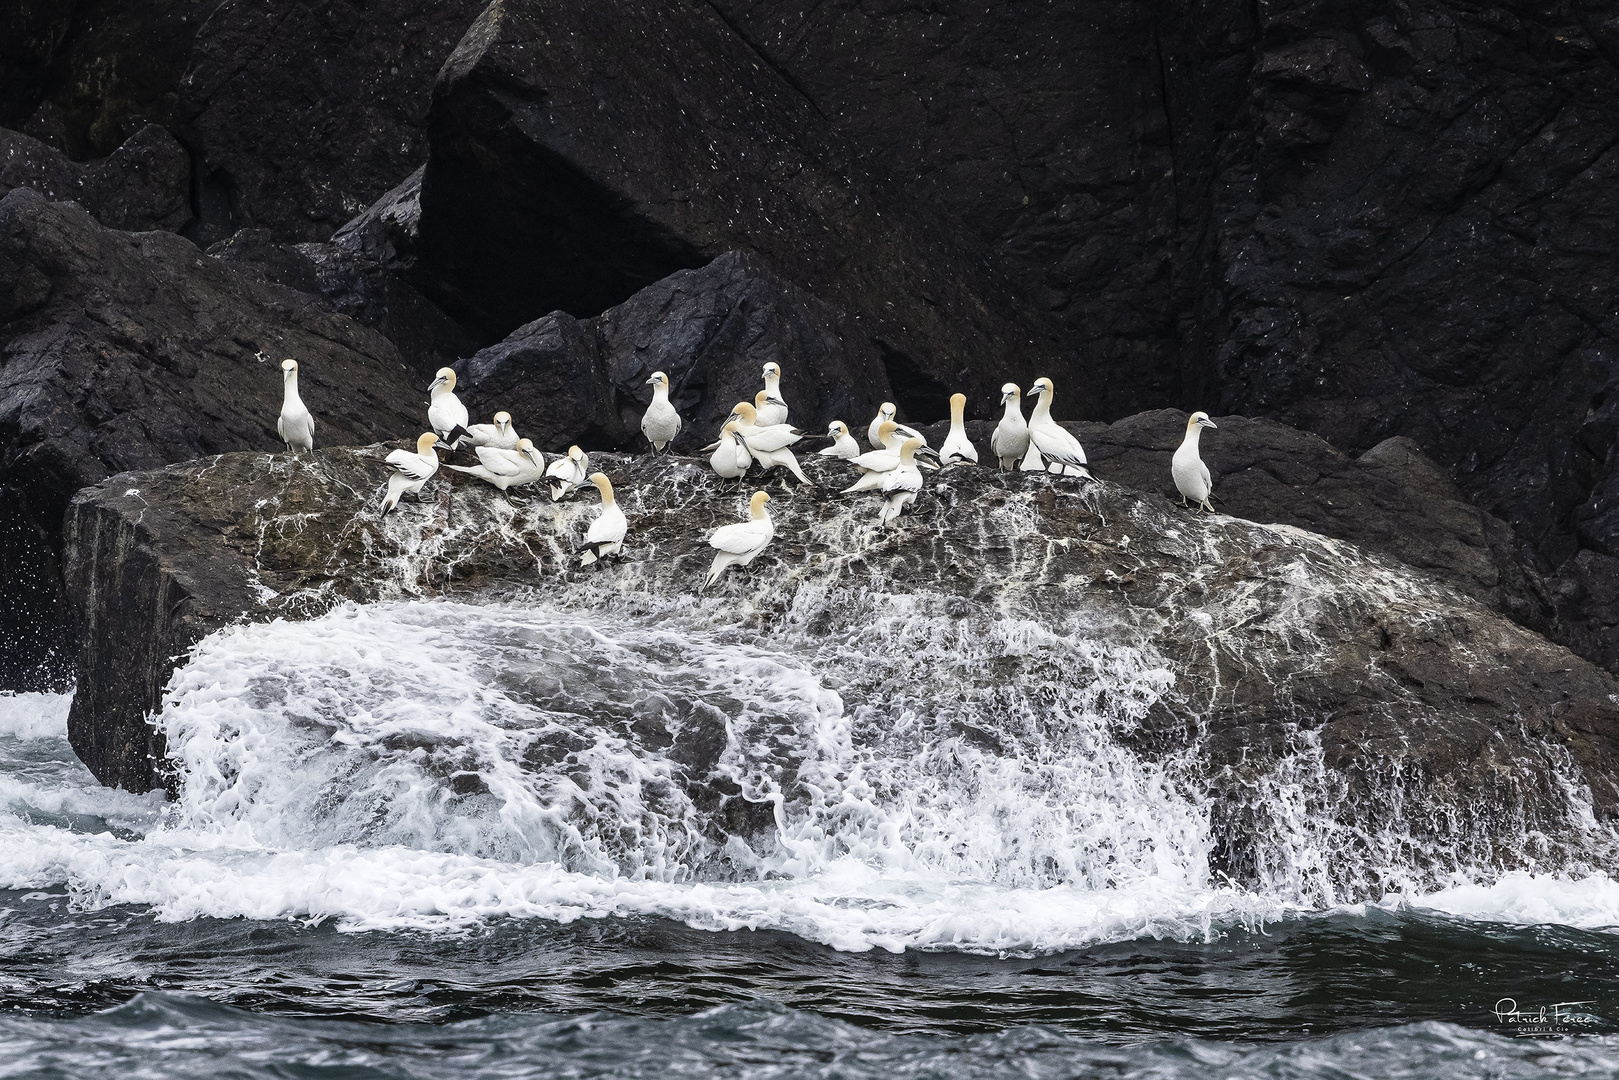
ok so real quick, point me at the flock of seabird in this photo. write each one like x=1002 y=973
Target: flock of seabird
x=755 y=434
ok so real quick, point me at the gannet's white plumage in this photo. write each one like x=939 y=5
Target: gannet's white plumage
x=731 y=459
x=506 y=468
x=500 y=434
x=957 y=447
x=661 y=423
x=736 y=545
x=411 y=471
x=886 y=412
x=843 y=444
x=768 y=445
x=1192 y=477
x=901 y=484
x=875 y=465
x=773 y=410
x=445 y=413
x=1032 y=461
x=606 y=535
x=295 y=425
x=1010 y=440
x=1055 y=443
x=568 y=472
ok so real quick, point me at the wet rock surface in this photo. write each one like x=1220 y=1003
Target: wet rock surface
x=132 y=350
x=1429 y=715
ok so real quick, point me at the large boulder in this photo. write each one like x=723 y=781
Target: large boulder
x=579 y=153
x=711 y=330
x=1392 y=720
x=144 y=184
x=133 y=350
x=1392 y=500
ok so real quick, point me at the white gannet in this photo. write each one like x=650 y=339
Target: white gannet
x=506 y=468
x=843 y=444
x=774 y=409
x=661 y=423
x=1192 y=477
x=1010 y=440
x=1032 y=461
x=736 y=545
x=411 y=471
x=731 y=458
x=901 y=484
x=1055 y=443
x=568 y=472
x=500 y=434
x=768 y=445
x=606 y=535
x=957 y=447
x=886 y=412
x=295 y=426
x=875 y=465
x=445 y=413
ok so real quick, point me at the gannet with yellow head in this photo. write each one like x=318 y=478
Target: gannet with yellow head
x=506 y=468
x=661 y=423
x=772 y=406
x=411 y=471
x=1192 y=478
x=500 y=434
x=843 y=444
x=738 y=544
x=567 y=473
x=445 y=413
x=957 y=447
x=606 y=534
x=768 y=445
x=295 y=426
x=731 y=458
x=901 y=484
x=887 y=411
x=1054 y=442
x=1010 y=440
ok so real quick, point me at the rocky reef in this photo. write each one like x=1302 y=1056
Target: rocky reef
x=1422 y=716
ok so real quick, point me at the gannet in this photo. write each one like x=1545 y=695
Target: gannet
x=1055 y=443
x=731 y=458
x=738 y=544
x=1032 y=461
x=768 y=445
x=957 y=447
x=774 y=409
x=843 y=444
x=875 y=465
x=567 y=473
x=411 y=470
x=445 y=413
x=886 y=412
x=507 y=468
x=661 y=423
x=1192 y=477
x=901 y=484
x=295 y=426
x=606 y=535
x=1010 y=440
x=500 y=434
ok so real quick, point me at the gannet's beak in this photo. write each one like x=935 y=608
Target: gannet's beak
x=1206 y=422
x=927 y=451
x=652 y=380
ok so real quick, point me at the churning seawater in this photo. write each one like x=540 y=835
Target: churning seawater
x=438 y=839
